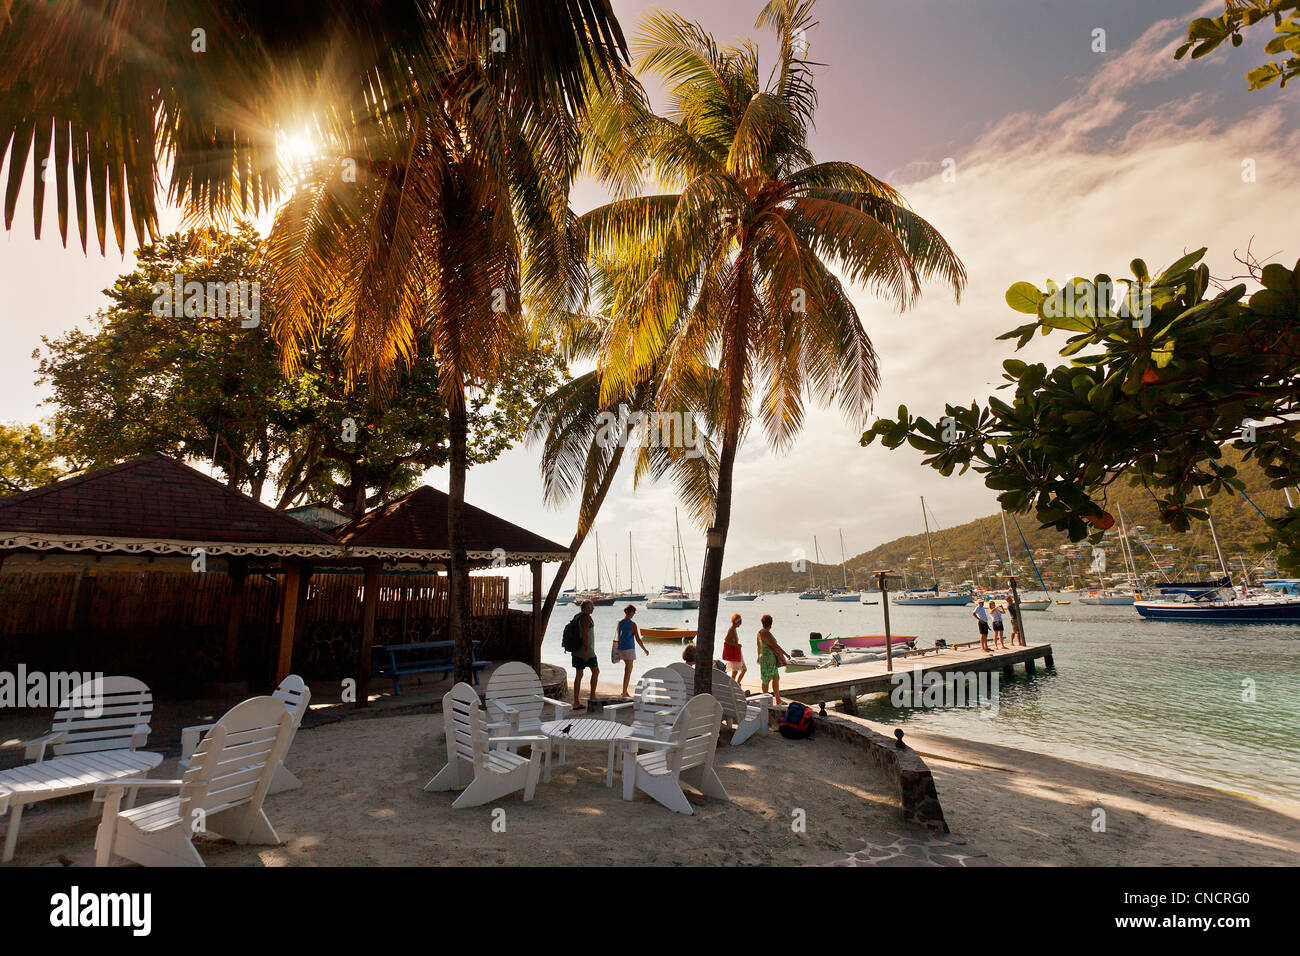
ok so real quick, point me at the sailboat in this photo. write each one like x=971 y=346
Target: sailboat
x=671 y=597
x=1113 y=595
x=931 y=596
x=1222 y=605
x=629 y=594
x=597 y=597
x=1033 y=603
x=814 y=593
x=844 y=594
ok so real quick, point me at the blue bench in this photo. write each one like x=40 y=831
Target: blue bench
x=430 y=657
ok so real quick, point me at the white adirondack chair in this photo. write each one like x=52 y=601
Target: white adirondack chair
x=296 y=695
x=221 y=792
x=658 y=698
x=689 y=750
x=484 y=773
x=93 y=740
x=746 y=715
x=686 y=672
x=514 y=697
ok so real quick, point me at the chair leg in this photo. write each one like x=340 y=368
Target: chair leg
x=666 y=790
x=283 y=780
x=534 y=771
x=11 y=838
x=629 y=774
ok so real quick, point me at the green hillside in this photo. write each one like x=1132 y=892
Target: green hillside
x=959 y=556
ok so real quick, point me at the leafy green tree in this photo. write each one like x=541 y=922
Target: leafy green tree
x=1205 y=34
x=208 y=388
x=743 y=248
x=1162 y=372
x=28 y=458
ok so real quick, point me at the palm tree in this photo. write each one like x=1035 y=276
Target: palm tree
x=742 y=251
x=584 y=438
x=445 y=243
x=112 y=92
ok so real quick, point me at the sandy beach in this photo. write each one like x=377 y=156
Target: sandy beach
x=362 y=804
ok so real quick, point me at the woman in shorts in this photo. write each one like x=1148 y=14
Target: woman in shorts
x=629 y=635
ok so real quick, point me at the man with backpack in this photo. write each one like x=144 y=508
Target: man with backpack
x=580 y=644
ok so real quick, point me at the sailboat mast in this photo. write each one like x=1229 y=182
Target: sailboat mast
x=1124 y=547
x=677 y=551
x=1215 y=536
x=844 y=561
x=929 y=547
x=812 y=568
x=1007 y=541
x=597 y=536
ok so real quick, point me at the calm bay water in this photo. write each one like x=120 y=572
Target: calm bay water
x=1157 y=697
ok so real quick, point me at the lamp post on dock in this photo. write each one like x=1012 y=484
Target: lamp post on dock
x=884 y=603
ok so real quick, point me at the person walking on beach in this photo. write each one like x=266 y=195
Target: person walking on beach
x=999 y=635
x=731 y=652
x=770 y=657
x=982 y=618
x=629 y=635
x=586 y=656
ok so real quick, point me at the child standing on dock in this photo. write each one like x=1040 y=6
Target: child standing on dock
x=731 y=651
x=770 y=657
x=982 y=617
x=999 y=635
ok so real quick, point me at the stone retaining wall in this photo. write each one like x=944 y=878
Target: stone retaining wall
x=917 y=795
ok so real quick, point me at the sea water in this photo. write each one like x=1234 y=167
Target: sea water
x=1204 y=703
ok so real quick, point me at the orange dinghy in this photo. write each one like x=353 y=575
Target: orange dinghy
x=667 y=633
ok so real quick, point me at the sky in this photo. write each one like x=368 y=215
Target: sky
x=1067 y=160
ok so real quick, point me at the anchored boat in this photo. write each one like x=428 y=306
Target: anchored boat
x=667 y=633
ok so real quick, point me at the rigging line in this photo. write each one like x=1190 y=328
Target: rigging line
x=1032 y=563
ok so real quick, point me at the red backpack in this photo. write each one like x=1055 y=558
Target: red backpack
x=798 y=722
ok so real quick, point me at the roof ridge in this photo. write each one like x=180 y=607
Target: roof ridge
x=60 y=484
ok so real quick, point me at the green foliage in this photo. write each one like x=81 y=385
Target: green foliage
x=27 y=458
x=1157 y=381
x=1206 y=34
x=206 y=388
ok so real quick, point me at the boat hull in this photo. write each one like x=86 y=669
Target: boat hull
x=667 y=633
x=1117 y=599
x=741 y=597
x=822 y=645
x=845 y=597
x=959 y=600
x=1287 y=613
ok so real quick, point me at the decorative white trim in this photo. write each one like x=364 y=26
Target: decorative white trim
x=13 y=540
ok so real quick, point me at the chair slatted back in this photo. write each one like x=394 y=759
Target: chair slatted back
x=102 y=714
x=696 y=731
x=236 y=759
x=685 y=671
x=658 y=691
x=517 y=686
x=463 y=720
x=730 y=696
x=296 y=695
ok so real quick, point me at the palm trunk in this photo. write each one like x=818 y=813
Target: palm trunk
x=711 y=577
x=458 y=567
x=593 y=498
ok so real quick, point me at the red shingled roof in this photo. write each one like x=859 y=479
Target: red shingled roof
x=418 y=521
x=153 y=497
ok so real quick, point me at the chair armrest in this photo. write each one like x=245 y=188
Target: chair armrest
x=36 y=748
x=135 y=783
x=497 y=723
x=648 y=742
x=560 y=706
x=190 y=738
x=526 y=739
x=764 y=699
x=504 y=708
x=140 y=735
x=618 y=706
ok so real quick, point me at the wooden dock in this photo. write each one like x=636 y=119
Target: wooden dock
x=850 y=681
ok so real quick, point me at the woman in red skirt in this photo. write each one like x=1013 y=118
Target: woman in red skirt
x=732 y=655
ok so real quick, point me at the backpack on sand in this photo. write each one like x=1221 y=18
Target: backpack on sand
x=798 y=722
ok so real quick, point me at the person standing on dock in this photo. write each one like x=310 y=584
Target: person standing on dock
x=982 y=618
x=999 y=635
x=1013 y=612
x=771 y=656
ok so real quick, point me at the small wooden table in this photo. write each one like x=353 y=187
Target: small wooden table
x=588 y=730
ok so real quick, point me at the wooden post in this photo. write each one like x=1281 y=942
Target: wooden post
x=369 y=604
x=536 y=567
x=237 y=571
x=1020 y=612
x=288 y=617
x=884 y=605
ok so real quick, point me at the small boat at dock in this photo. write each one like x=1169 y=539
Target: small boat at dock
x=667 y=633
x=821 y=645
